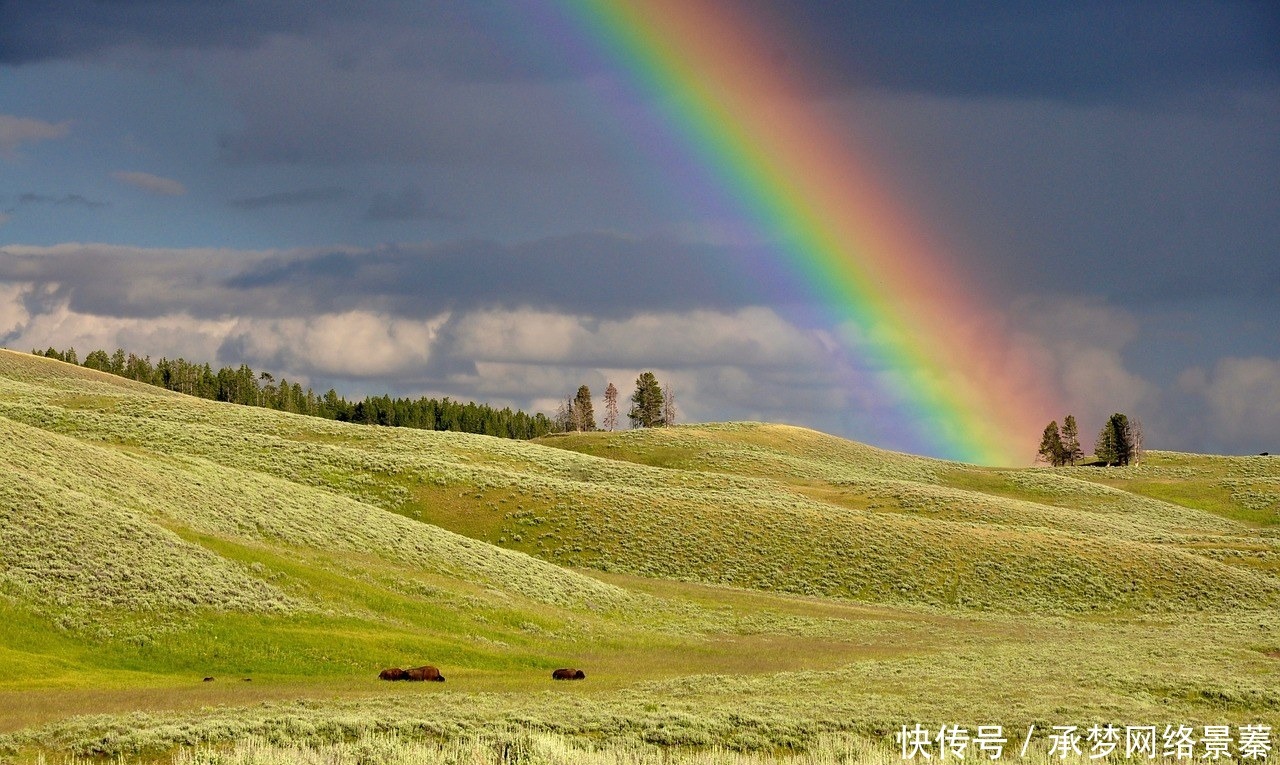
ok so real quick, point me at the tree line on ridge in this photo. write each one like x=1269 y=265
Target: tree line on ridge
x=241 y=385
x=652 y=406
x=1120 y=442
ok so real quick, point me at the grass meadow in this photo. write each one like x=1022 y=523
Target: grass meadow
x=736 y=593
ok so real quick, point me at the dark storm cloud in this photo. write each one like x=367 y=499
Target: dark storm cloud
x=57 y=29
x=1060 y=50
x=302 y=106
x=409 y=203
x=295 y=198
x=1057 y=50
x=32 y=199
x=594 y=274
x=66 y=200
x=465 y=41
x=35 y=31
x=1120 y=158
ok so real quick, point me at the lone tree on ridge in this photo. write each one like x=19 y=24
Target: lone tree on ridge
x=1071 y=441
x=1115 y=441
x=646 y=409
x=1051 y=448
x=611 y=407
x=584 y=415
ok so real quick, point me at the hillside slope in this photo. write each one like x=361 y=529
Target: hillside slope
x=944 y=532
x=153 y=559
x=148 y=540
x=767 y=507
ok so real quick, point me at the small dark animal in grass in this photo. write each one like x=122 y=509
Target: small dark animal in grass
x=393 y=673
x=208 y=679
x=568 y=674
x=424 y=673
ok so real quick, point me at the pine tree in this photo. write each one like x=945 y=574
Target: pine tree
x=1051 y=449
x=1071 y=440
x=1104 y=448
x=646 y=411
x=585 y=415
x=611 y=407
x=98 y=360
x=1124 y=439
x=1115 y=441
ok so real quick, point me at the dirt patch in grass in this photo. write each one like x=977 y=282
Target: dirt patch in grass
x=22 y=708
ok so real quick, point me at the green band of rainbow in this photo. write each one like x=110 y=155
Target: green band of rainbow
x=907 y=315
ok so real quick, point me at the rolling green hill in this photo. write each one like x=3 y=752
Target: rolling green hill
x=745 y=584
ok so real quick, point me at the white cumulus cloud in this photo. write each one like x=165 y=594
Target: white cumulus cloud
x=13 y=311
x=354 y=344
x=749 y=337
x=1082 y=343
x=61 y=327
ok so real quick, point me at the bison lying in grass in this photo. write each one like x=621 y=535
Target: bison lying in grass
x=416 y=673
x=424 y=673
x=568 y=674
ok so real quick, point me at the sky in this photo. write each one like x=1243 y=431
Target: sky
x=488 y=201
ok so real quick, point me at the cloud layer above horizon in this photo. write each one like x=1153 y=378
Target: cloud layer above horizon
x=447 y=199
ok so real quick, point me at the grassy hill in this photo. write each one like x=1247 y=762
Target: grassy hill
x=743 y=584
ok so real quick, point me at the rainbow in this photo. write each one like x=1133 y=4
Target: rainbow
x=955 y=374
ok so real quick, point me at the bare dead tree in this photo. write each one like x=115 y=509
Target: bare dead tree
x=1136 y=437
x=668 y=405
x=564 y=420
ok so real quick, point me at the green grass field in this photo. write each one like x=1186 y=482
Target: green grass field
x=736 y=592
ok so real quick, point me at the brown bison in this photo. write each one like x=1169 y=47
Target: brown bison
x=424 y=673
x=392 y=673
x=568 y=674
